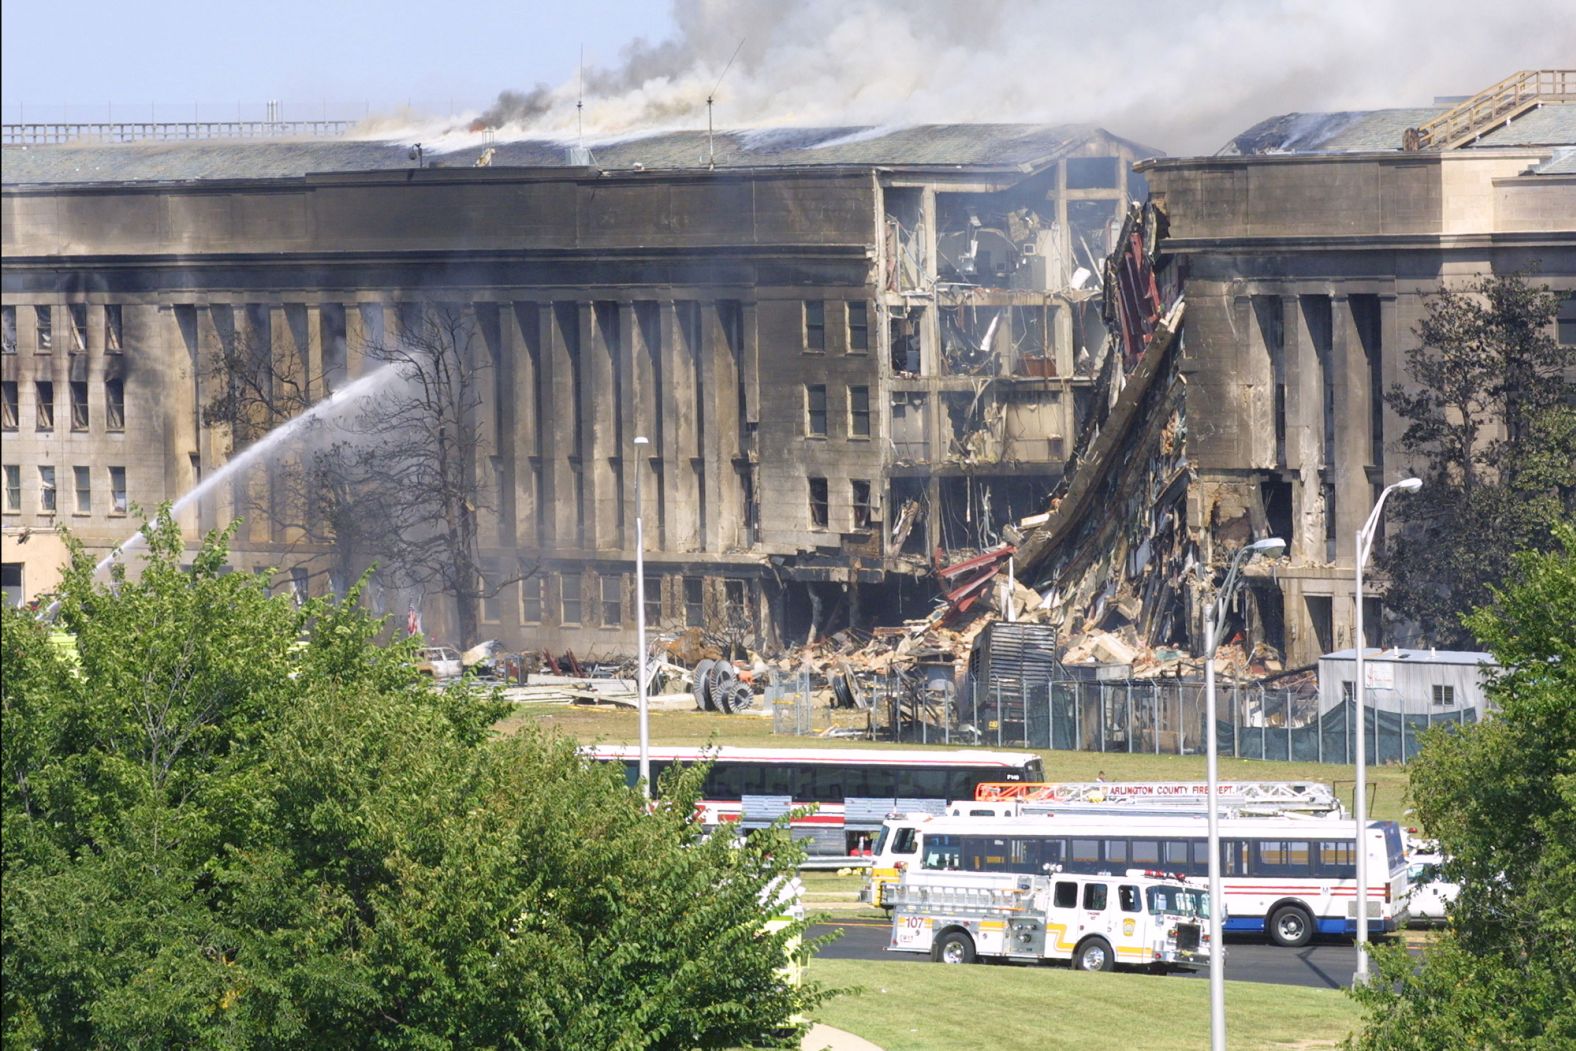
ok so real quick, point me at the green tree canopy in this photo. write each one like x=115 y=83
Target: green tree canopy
x=1491 y=427
x=215 y=835
x=1501 y=797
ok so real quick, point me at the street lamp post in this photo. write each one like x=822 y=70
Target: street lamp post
x=1365 y=539
x=640 y=621
x=1217 y=964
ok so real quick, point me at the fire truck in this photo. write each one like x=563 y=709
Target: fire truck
x=1143 y=918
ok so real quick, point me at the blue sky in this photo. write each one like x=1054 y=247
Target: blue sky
x=91 y=59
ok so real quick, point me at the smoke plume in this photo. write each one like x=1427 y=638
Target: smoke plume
x=1183 y=77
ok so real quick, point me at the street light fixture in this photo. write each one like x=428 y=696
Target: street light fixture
x=1269 y=547
x=1365 y=539
x=640 y=621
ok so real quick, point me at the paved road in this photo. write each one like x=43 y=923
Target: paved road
x=1323 y=965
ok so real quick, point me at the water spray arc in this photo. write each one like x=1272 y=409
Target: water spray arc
x=348 y=396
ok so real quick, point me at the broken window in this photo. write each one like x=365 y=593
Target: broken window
x=112 y=328
x=11 y=406
x=13 y=487
x=970 y=340
x=44 y=329
x=531 y=600
x=904 y=332
x=45 y=405
x=569 y=598
x=814 y=325
x=819 y=507
x=612 y=601
x=815 y=409
x=8 y=330
x=861 y=504
x=733 y=597
x=905 y=238
x=694 y=602
x=82 y=480
x=46 y=490
x=77 y=316
x=653 y=597
x=1093 y=173
x=115 y=405
x=79 y=406
x=859 y=412
x=117 y=490
x=858 y=327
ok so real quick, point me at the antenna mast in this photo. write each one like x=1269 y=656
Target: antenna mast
x=711 y=148
x=580 y=98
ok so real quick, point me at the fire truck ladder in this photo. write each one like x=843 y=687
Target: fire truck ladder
x=1491 y=107
x=1256 y=797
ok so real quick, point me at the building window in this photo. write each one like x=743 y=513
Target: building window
x=82 y=478
x=46 y=490
x=44 y=330
x=612 y=601
x=79 y=406
x=858 y=327
x=112 y=329
x=861 y=504
x=531 y=600
x=569 y=598
x=13 y=487
x=45 y=391
x=733 y=595
x=492 y=611
x=8 y=330
x=300 y=589
x=653 y=600
x=117 y=490
x=694 y=602
x=114 y=405
x=11 y=410
x=819 y=513
x=859 y=412
x=815 y=409
x=815 y=326
x=1565 y=322
x=77 y=316
x=1444 y=696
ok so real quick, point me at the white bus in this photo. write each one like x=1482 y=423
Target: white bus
x=853 y=790
x=1289 y=878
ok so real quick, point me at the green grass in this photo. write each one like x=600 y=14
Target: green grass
x=919 y=1007
x=608 y=725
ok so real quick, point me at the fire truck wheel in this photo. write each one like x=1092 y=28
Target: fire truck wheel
x=1291 y=927
x=1095 y=955
x=953 y=947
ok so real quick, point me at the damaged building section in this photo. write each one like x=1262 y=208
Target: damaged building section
x=859 y=356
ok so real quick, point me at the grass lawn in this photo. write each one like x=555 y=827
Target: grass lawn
x=915 y=1008
x=609 y=725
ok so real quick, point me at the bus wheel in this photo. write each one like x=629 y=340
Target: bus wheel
x=953 y=947
x=1291 y=927
x=1095 y=955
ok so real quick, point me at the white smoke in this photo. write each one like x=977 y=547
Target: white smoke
x=1180 y=76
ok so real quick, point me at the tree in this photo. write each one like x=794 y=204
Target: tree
x=236 y=822
x=1491 y=421
x=1501 y=798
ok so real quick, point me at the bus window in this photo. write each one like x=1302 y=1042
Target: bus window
x=1234 y=857
x=1175 y=854
x=1085 y=852
x=1066 y=895
x=1281 y=857
x=730 y=781
x=1094 y=897
x=1127 y=894
x=1116 y=851
x=923 y=783
x=943 y=852
x=985 y=854
x=779 y=779
x=1338 y=858
x=1198 y=865
x=881 y=783
x=1146 y=852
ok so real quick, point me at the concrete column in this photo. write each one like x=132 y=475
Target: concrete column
x=1349 y=360
x=522 y=331
x=1392 y=370
x=1304 y=434
x=219 y=508
x=601 y=408
x=628 y=359
x=560 y=329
